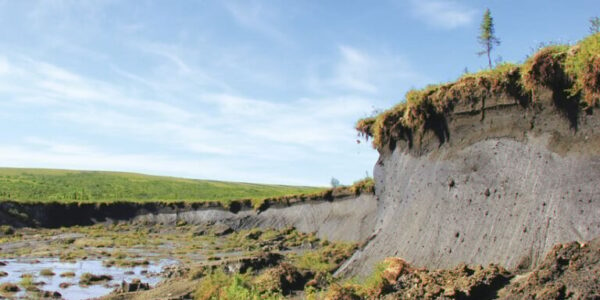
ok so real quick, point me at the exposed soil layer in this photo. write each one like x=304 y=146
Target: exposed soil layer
x=339 y=217
x=506 y=183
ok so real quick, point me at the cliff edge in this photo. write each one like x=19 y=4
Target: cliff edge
x=496 y=167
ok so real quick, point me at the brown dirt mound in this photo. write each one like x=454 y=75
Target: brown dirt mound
x=462 y=282
x=569 y=271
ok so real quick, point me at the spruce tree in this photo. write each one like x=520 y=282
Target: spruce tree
x=487 y=38
x=594 y=25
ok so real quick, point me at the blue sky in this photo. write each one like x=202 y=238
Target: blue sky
x=253 y=91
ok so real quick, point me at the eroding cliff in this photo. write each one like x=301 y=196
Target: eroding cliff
x=494 y=168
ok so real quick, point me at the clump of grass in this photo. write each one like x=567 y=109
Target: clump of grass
x=364 y=186
x=583 y=65
x=94 y=242
x=47 y=272
x=219 y=285
x=67 y=274
x=27 y=283
x=282 y=279
x=326 y=259
x=90 y=279
x=364 y=127
x=379 y=283
x=125 y=263
x=546 y=68
x=339 y=291
x=73 y=255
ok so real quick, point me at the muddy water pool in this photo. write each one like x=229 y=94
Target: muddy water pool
x=16 y=268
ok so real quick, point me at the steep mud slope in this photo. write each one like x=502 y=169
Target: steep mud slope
x=494 y=168
x=345 y=217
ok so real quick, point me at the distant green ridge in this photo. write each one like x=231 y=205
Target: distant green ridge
x=46 y=185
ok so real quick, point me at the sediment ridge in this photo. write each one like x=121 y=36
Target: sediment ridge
x=337 y=217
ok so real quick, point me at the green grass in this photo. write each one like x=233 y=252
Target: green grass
x=219 y=285
x=326 y=259
x=44 y=185
x=584 y=67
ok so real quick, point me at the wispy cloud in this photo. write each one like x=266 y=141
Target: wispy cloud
x=224 y=126
x=444 y=14
x=354 y=69
x=255 y=16
x=362 y=72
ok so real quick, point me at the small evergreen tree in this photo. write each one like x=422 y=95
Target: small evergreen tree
x=594 y=25
x=487 y=38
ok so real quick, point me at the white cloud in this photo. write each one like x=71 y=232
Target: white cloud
x=443 y=14
x=207 y=129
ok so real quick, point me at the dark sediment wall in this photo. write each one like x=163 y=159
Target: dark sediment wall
x=502 y=185
x=345 y=218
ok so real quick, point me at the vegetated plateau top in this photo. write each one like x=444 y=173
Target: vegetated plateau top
x=45 y=185
x=570 y=70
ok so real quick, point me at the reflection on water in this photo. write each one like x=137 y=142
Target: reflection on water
x=17 y=267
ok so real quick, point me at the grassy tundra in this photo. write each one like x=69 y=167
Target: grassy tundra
x=41 y=185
